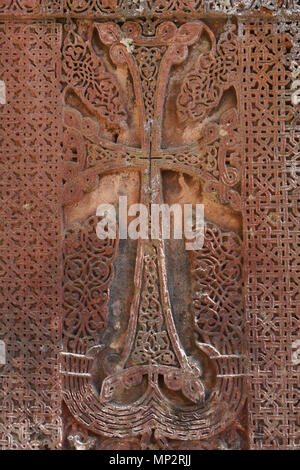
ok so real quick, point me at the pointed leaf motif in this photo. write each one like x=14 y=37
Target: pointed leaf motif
x=85 y=73
x=152 y=343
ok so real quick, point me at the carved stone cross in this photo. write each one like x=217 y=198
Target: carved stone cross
x=171 y=393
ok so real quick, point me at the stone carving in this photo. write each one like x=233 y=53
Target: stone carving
x=85 y=73
x=140 y=386
x=127 y=8
x=30 y=135
x=271 y=161
x=170 y=107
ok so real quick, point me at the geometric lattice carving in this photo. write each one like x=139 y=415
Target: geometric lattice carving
x=30 y=396
x=270 y=209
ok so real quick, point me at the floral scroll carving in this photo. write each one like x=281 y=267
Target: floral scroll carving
x=86 y=73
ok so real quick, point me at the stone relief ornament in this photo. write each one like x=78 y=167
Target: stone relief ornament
x=148 y=383
x=146 y=8
x=141 y=344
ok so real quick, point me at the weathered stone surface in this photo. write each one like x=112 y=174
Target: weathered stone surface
x=125 y=9
x=140 y=344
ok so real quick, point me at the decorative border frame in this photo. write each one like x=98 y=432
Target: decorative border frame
x=124 y=9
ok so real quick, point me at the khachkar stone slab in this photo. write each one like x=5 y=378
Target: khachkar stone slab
x=140 y=344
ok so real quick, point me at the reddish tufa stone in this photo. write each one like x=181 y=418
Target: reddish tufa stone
x=148 y=346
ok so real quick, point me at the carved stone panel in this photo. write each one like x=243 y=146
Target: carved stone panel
x=30 y=136
x=139 y=343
